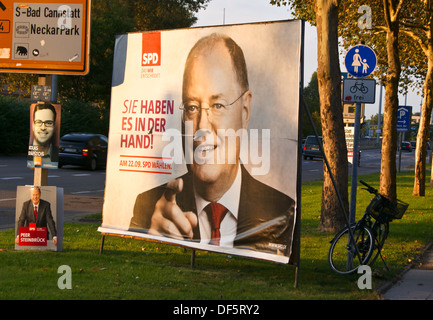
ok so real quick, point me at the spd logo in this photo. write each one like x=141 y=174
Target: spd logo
x=151 y=49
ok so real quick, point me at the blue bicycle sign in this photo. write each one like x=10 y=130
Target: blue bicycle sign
x=359 y=90
x=358 y=86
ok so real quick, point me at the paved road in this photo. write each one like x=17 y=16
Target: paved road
x=370 y=163
x=83 y=190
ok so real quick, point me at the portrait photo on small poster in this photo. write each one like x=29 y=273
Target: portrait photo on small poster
x=39 y=218
x=43 y=151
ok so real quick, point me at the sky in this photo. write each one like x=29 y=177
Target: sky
x=219 y=12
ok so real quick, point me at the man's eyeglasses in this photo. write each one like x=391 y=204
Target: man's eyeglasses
x=39 y=123
x=217 y=109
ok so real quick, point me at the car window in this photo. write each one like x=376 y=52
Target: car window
x=91 y=142
x=312 y=140
x=100 y=142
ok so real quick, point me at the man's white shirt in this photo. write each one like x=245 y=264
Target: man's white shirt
x=228 y=228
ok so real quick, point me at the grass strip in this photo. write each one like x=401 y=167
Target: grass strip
x=133 y=269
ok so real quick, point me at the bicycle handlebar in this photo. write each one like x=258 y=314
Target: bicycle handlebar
x=369 y=188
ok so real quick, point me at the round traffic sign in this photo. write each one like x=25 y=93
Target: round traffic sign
x=360 y=61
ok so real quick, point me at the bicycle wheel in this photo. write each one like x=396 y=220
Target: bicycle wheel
x=380 y=232
x=342 y=256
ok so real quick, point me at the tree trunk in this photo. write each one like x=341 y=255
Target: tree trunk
x=388 y=184
x=329 y=79
x=426 y=111
x=424 y=130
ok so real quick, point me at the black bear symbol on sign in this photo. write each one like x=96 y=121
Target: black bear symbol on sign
x=21 y=51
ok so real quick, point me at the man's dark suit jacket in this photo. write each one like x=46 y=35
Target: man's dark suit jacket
x=265 y=217
x=44 y=219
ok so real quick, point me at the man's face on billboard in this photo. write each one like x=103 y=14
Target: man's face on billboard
x=35 y=195
x=43 y=126
x=217 y=106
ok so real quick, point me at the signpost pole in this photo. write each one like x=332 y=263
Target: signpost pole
x=41 y=174
x=355 y=163
x=399 y=151
x=353 y=188
x=378 y=131
x=360 y=62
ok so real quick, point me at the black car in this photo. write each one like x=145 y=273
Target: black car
x=311 y=148
x=406 y=146
x=83 y=149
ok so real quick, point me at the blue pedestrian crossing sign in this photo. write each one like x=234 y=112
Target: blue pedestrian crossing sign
x=360 y=61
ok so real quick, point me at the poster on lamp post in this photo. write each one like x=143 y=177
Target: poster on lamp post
x=43 y=151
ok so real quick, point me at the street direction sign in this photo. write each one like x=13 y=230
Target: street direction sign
x=359 y=90
x=45 y=36
x=360 y=61
x=349 y=112
x=404 y=115
x=349 y=133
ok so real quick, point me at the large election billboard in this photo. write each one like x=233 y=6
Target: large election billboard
x=203 y=141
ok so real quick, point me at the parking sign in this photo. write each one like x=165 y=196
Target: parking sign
x=404 y=114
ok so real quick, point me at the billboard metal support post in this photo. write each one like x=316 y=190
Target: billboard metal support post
x=399 y=151
x=192 y=258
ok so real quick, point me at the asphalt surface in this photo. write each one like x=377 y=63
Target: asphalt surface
x=75 y=208
x=83 y=190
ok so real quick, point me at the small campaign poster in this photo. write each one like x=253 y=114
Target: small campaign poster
x=39 y=218
x=43 y=151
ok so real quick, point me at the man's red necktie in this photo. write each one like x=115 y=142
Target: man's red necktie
x=36 y=212
x=218 y=211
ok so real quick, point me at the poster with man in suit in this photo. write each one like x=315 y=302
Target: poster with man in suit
x=39 y=218
x=203 y=143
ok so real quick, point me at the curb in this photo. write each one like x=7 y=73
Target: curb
x=385 y=287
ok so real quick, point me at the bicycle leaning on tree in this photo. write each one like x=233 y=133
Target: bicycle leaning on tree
x=363 y=242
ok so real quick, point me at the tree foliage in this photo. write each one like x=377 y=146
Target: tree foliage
x=113 y=17
x=400 y=34
x=417 y=25
x=15 y=122
x=108 y=19
x=77 y=116
x=311 y=98
x=415 y=52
